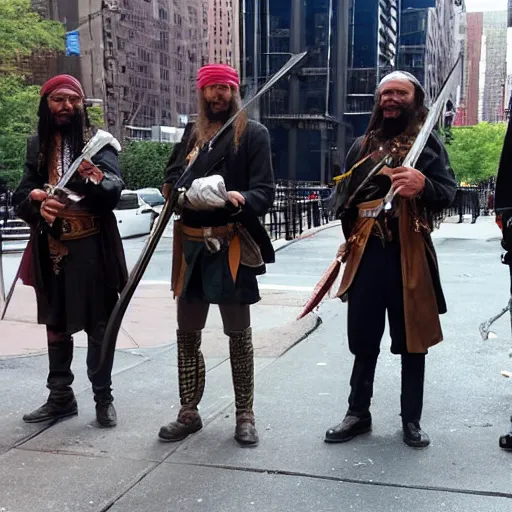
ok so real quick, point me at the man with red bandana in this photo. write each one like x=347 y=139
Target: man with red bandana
x=390 y=260
x=219 y=244
x=75 y=259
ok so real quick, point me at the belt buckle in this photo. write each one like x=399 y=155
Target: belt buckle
x=212 y=243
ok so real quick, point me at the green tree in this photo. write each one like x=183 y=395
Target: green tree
x=142 y=163
x=22 y=31
x=475 y=151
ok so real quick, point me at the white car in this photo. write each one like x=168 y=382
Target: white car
x=153 y=197
x=134 y=216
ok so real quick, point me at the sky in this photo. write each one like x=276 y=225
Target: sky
x=486 y=5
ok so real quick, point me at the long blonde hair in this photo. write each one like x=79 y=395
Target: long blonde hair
x=205 y=129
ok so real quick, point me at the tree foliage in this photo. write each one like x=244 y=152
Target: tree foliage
x=143 y=163
x=475 y=151
x=22 y=31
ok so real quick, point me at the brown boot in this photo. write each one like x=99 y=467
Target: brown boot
x=191 y=376
x=242 y=369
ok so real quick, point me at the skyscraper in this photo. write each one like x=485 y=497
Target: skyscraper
x=224 y=32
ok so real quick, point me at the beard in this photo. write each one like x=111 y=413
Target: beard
x=392 y=127
x=218 y=117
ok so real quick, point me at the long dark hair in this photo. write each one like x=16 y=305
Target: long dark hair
x=75 y=134
x=418 y=113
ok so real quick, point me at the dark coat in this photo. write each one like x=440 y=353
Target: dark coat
x=247 y=169
x=438 y=194
x=99 y=199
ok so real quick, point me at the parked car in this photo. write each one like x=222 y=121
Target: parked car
x=153 y=197
x=134 y=216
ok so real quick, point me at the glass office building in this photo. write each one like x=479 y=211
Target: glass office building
x=303 y=111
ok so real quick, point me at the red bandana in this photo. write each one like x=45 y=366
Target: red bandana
x=63 y=82
x=217 y=74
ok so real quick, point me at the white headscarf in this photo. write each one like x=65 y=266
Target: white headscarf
x=400 y=75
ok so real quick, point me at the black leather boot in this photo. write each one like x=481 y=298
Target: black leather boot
x=358 y=419
x=61 y=402
x=241 y=353
x=411 y=399
x=191 y=377
x=350 y=427
x=506 y=440
x=106 y=415
x=414 y=436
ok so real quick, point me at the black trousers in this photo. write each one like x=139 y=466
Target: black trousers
x=377 y=289
x=60 y=356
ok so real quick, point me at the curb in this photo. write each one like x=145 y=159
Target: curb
x=307 y=234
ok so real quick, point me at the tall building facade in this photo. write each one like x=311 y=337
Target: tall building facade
x=430 y=43
x=224 y=32
x=303 y=110
x=484 y=94
x=373 y=36
x=142 y=57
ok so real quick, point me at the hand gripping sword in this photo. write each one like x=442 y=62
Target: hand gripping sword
x=116 y=317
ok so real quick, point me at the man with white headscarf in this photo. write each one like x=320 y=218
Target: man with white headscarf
x=390 y=260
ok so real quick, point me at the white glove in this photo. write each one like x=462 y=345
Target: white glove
x=207 y=193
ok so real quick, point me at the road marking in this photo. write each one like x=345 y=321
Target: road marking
x=262 y=286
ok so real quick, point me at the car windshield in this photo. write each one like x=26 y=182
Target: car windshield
x=152 y=199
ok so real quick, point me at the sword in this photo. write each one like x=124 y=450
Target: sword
x=100 y=139
x=116 y=317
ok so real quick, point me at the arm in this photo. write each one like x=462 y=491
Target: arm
x=440 y=184
x=261 y=191
x=104 y=195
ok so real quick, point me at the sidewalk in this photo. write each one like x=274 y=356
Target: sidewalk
x=73 y=466
x=150 y=320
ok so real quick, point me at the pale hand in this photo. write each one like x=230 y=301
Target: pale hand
x=38 y=195
x=407 y=182
x=235 y=198
x=50 y=209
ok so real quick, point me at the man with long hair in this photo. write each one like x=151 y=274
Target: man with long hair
x=390 y=259
x=75 y=259
x=219 y=245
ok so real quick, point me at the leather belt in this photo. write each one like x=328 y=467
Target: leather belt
x=76 y=225
x=209 y=232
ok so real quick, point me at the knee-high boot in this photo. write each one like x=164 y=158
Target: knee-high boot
x=106 y=414
x=242 y=370
x=191 y=377
x=61 y=402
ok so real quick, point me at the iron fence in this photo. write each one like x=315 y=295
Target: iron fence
x=297 y=207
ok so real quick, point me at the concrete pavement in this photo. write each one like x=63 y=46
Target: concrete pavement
x=72 y=466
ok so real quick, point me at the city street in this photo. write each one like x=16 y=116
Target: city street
x=301 y=390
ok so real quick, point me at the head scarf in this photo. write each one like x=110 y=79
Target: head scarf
x=216 y=74
x=63 y=82
x=400 y=75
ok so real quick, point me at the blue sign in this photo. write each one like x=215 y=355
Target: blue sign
x=72 y=43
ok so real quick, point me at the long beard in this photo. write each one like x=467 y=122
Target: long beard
x=392 y=127
x=217 y=117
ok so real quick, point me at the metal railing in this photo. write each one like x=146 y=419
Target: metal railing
x=297 y=207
